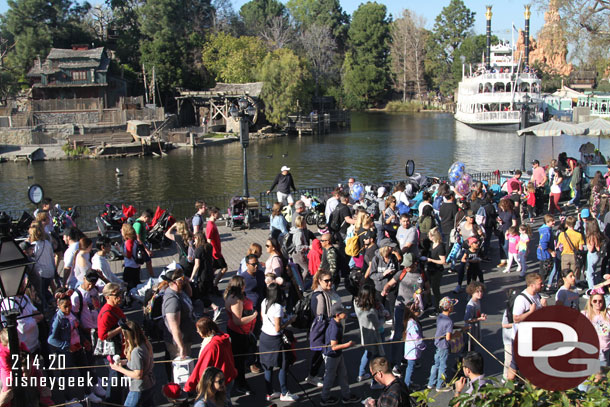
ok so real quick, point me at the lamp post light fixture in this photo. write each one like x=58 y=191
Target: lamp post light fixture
x=13 y=265
x=244 y=112
x=524 y=108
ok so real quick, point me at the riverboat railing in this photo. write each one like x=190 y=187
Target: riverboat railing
x=184 y=208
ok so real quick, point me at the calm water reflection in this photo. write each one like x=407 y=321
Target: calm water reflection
x=375 y=149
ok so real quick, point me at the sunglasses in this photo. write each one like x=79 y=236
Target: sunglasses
x=325 y=240
x=253 y=264
x=267 y=245
x=597 y=301
x=327 y=280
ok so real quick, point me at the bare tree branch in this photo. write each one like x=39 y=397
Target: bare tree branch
x=277 y=33
x=321 y=50
x=407 y=51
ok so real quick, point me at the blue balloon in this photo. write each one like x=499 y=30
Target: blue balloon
x=456 y=171
x=356 y=191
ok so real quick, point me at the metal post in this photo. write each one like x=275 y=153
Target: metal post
x=246 y=192
x=526 y=43
x=13 y=342
x=524 y=125
x=243 y=137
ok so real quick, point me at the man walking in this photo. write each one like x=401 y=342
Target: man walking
x=284 y=183
x=140 y=226
x=540 y=179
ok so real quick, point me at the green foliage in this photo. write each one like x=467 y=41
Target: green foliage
x=286 y=84
x=410 y=106
x=125 y=22
x=233 y=60
x=37 y=25
x=451 y=27
x=71 y=151
x=603 y=86
x=366 y=67
x=472 y=49
x=326 y=13
x=526 y=395
x=550 y=81
x=255 y=14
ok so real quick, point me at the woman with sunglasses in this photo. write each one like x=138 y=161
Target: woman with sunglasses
x=211 y=390
x=597 y=313
x=321 y=301
x=275 y=262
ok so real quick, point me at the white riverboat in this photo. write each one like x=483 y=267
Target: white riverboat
x=492 y=98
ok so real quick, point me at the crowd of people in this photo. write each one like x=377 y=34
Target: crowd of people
x=391 y=263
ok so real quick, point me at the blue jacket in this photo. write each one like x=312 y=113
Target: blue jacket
x=546 y=243
x=60 y=334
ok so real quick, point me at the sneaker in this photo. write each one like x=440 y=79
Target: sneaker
x=457 y=289
x=376 y=386
x=289 y=397
x=255 y=369
x=351 y=399
x=429 y=387
x=331 y=401
x=443 y=389
x=505 y=271
x=242 y=391
x=275 y=395
x=364 y=377
x=314 y=381
x=93 y=398
x=502 y=264
x=396 y=370
x=389 y=322
x=217 y=313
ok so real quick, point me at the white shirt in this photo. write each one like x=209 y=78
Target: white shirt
x=27 y=327
x=88 y=316
x=43 y=254
x=331 y=204
x=101 y=263
x=522 y=305
x=275 y=311
x=70 y=255
x=401 y=196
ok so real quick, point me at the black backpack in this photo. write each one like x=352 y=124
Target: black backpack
x=334 y=223
x=286 y=242
x=302 y=311
x=511 y=302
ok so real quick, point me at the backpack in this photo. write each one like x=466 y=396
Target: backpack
x=189 y=223
x=139 y=254
x=302 y=311
x=481 y=216
x=287 y=245
x=320 y=323
x=425 y=224
x=153 y=314
x=352 y=245
x=403 y=208
x=511 y=302
x=334 y=223
x=436 y=204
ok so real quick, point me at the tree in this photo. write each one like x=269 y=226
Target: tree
x=286 y=84
x=365 y=67
x=321 y=51
x=257 y=14
x=38 y=25
x=98 y=20
x=277 y=33
x=125 y=27
x=451 y=27
x=407 y=51
x=323 y=13
x=224 y=18
x=233 y=59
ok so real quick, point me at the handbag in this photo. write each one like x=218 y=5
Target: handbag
x=110 y=347
x=580 y=256
x=140 y=254
x=456 y=343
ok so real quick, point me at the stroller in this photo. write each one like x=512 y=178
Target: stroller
x=116 y=240
x=161 y=221
x=315 y=210
x=238 y=213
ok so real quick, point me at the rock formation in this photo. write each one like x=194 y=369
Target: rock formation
x=551 y=48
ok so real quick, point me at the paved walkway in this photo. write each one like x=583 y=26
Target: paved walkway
x=234 y=246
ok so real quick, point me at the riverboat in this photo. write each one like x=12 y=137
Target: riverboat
x=498 y=92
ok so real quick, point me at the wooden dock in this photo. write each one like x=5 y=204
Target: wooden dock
x=318 y=123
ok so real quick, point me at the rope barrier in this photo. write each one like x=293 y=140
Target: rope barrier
x=494 y=356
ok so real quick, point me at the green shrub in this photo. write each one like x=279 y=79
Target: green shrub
x=70 y=151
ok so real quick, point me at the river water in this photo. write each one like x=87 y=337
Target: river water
x=375 y=149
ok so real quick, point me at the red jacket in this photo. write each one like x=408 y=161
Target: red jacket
x=217 y=353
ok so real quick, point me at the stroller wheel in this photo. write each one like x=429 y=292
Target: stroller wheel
x=321 y=224
x=310 y=218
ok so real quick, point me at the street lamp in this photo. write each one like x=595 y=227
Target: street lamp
x=244 y=112
x=524 y=106
x=13 y=265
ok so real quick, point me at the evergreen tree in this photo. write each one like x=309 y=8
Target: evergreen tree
x=286 y=84
x=366 y=68
x=451 y=27
x=257 y=14
x=322 y=13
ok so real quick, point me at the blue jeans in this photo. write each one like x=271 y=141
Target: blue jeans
x=523 y=262
x=398 y=348
x=438 y=369
x=364 y=363
x=592 y=260
x=269 y=380
x=409 y=371
x=139 y=399
x=556 y=265
x=576 y=199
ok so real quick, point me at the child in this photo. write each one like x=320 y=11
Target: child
x=565 y=296
x=524 y=238
x=530 y=201
x=472 y=260
x=414 y=344
x=513 y=251
x=473 y=315
x=333 y=356
x=444 y=331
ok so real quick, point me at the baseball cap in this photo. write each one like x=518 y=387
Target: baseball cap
x=172 y=275
x=336 y=309
x=472 y=239
x=407 y=260
x=536 y=162
x=445 y=303
x=25 y=245
x=380 y=192
x=585 y=213
x=285 y=168
x=368 y=235
x=385 y=242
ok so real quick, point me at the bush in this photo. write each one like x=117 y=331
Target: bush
x=70 y=151
x=411 y=106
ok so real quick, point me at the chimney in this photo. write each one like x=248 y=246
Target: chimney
x=527 y=15
x=488 y=32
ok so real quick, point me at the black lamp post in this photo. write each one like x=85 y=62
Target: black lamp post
x=13 y=264
x=524 y=107
x=244 y=112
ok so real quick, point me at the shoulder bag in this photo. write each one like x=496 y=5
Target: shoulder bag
x=580 y=256
x=110 y=347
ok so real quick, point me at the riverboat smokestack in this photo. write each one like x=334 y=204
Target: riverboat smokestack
x=488 y=48
x=527 y=15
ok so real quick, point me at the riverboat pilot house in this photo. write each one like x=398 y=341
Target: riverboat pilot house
x=77 y=73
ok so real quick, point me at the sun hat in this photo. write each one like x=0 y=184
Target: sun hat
x=445 y=303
